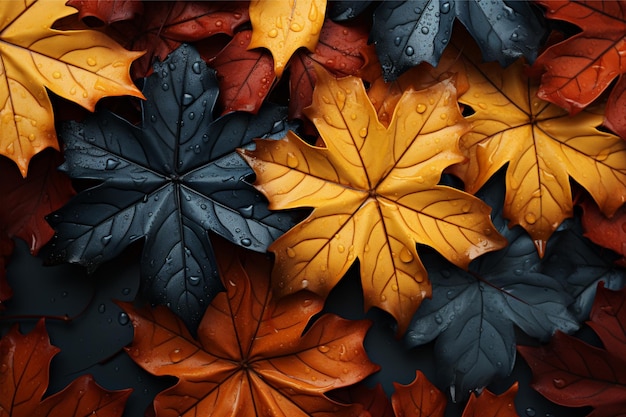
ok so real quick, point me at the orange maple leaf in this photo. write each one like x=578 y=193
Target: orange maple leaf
x=80 y=65
x=543 y=145
x=374 y=192
x=283 y=26
x=252 y=356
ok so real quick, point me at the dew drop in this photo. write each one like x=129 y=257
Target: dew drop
x=196 y=67
x=165 y=86
x=291 y=253
x=559 y=383
x=123 y=319
x=438 y=319
x=56 y=75
x=530 y=412
x=111 y=164
x=425 y=30
x=31 y=137
x=245 y=242
x=191 y=116
x=444 y=8
x=514 y=36
x=383 y=298
x=323 y=348
x=419 y=179
x=450 y=295
x=394 y=287
x=341 y=248
x=171 y=66
x=187 y=99
x=102 y=308
x=126 y=291
x=176 y=355
x=466 y=208
x=106 y=239
x=409 y=51
x=272 y=33
x=194 y=280
x=296 y=27
x=247 y=211
x=421 y=108
x=397 y=41
x=363 y=132
x=530 y=218
x=91 y=61
x=292 y=160
x=405 y=255
x=305 y=283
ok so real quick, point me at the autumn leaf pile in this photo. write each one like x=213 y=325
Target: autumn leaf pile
x=465 y=159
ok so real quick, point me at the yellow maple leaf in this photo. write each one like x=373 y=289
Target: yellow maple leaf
x=79 y=65
x=374 y=193
x=543 y=146
x=282 y=26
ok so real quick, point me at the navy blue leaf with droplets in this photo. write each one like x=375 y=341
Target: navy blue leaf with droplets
x=407 y=33
x=169 y=181
x=472 y=313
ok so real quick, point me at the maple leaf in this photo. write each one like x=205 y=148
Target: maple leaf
x=81 y=66
x=410 y=32
x=472 y=313
x=169 y=180
x=253 y=355
x=107 y=11
x=606 y=232
x=572 y=373
x=24 y=366
x=489 y=405
x=374 y=193
x=579 y=69
x=283 y=26
x=420 y=397
x=543 y=145
x=166 y=24
x=373 y=400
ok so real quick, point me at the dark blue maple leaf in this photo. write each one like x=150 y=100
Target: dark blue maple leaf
x=168 y=181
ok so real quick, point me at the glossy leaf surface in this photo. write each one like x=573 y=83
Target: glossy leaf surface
x=165 y=24
x=251 y=357
x=170 y=180
x=407 y=33
x=81 y=66
x=606 y=232
x=570 y=372
x=488 y=404
x=581 y=67
x=419 y=398
x=374 y=193
x=107 y=11
x=283 y=26
x=472 y=313
x=542 y=145
x=25 y=361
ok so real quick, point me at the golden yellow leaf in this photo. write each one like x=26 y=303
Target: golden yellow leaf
x=79 y=65
x=374 y=193
x=543 y=146
x=282 y=26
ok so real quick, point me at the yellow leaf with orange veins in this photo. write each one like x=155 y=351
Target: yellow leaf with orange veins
x=543 y=146
x=80 y=65
x=375 y=193
x=283 y=26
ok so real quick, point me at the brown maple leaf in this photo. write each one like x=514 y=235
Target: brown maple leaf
x=541 y=143
x=107 y=11
x=81 y=66
x=283 y=26
x=374 y=193
x=24 y=373
x=573 y=373
x=251 y=357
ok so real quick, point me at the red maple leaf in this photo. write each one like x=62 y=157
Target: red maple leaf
x=580 y=68
x=573 y=373
x=107 y=11
x=24 y=373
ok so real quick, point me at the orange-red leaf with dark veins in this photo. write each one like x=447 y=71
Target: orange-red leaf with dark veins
x=419 y=398
x=580 y=68
x=26 y=201
x=615 y=110
x=488 y=404
x=245 y=76
x=24 y=374
x=251 y=356
x=165 y=25
x=107 y=11
x=573 y=373
x=374 y=400
x=604 y=231
x=342 y=50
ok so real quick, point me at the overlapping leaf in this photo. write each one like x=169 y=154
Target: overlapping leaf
x=407 y=33
x=165 y=24
x=542 y=145
x=570 y=372
x=169 y=180
x=580 y=68
x=24 y=372
x=472 y=313
x=607 y=232
x=284 y=26
x=253 y=356
x=81 y=66
x=107 y=11
x=374 y=193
